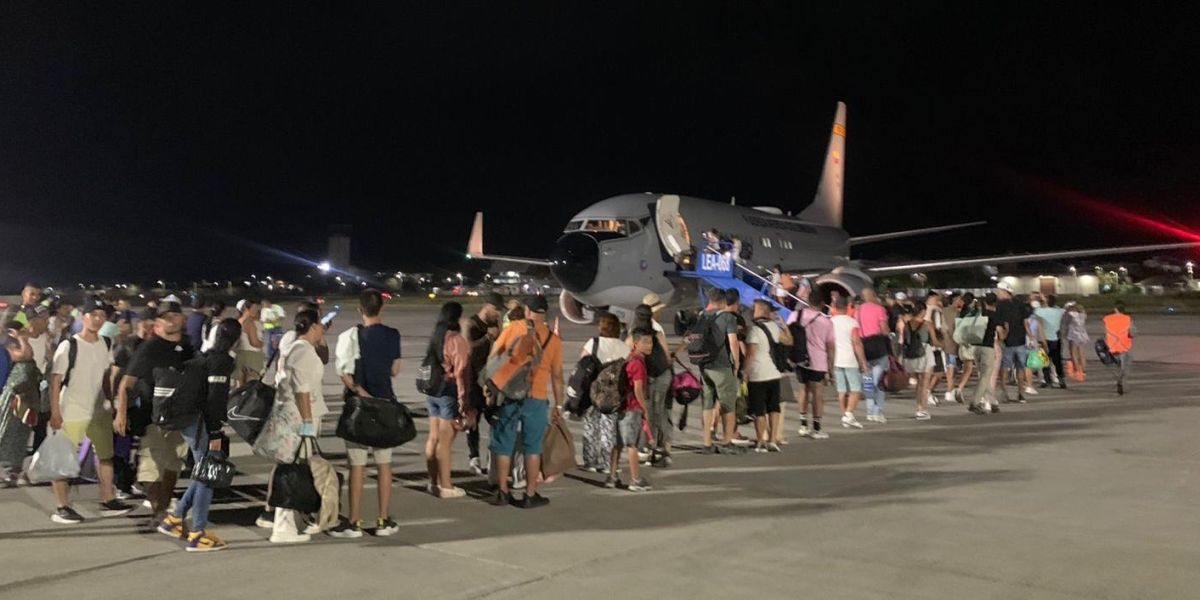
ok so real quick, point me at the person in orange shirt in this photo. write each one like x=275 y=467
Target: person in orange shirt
x=1118 y=334
x=532 y=413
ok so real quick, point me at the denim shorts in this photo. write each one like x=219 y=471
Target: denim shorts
x=532 y=414
x=847 y=379
x=629 y=430
x=1015 y=356
x=442 y=407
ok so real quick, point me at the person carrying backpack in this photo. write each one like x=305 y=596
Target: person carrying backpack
x=78 y=390
x=533 y=338
x=446 y=397
x=713 y=346
x=633 y=410
x=660 y=373
x=600 y=428
x=203 y=436
x=766 y=360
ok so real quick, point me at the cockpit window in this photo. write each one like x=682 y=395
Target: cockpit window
x=617 y=226
x=574 y=226
x=634 y=227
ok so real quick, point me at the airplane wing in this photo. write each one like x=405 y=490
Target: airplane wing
x=475 y=248
x=958 y=263
x=879 y=237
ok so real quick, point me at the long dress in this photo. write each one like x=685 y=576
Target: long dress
x=23 y=381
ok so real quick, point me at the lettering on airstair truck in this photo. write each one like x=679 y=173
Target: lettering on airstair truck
x=716 y=264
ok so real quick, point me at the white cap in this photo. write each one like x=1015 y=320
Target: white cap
x=1005 y=286
x=241 y=305
x=901 y=296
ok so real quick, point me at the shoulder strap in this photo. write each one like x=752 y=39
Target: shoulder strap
x=766 y=331
x=596 y=346
x=359 y=376
x=72 y=352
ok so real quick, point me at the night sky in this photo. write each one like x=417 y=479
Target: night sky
x=139 y=141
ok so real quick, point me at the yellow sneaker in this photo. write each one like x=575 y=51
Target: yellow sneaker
x=201 y=541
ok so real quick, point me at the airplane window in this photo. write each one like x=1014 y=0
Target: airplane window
x=605 y=225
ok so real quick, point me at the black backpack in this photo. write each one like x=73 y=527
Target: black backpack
x=702 y=346
x=798 y=354
x=579 y=387
x=913 y=346
x=658 y=362
x=178 y=394
x=431 y=375
x=779 y=352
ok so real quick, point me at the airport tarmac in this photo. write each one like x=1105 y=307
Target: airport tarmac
x=1077 y=494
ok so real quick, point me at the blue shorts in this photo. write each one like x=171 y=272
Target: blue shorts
x=847 y=379
x=442 y=407
x=1015 y=356
x=532 y=414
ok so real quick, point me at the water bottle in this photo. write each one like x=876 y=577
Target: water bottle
x=869 y=383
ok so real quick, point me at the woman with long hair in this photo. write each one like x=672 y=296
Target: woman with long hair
x=600 y=430
x=1077 y=339
x=204 y=437
x=451 y=404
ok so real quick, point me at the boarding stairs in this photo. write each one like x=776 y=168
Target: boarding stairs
x=722 y=271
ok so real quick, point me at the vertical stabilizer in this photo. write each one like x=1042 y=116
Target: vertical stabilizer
x=826 y=208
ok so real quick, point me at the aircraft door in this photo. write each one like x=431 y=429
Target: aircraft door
x=672 y=229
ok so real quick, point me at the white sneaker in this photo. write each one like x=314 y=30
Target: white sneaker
x=1030 y=391
x=849 y=421
x=882 y=420
x=804 y=431
x=451 y=492
x=949 y=397
x=922 y=416
x=312 y=529
x=931 y=400
x=819 y=435
x=289 y=537
x=870 y=418
x=475 y=466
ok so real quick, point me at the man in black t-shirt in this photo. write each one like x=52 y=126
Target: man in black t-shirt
x=161 y=452
x=1011 y=315
x=482 y=331
x=143 y=330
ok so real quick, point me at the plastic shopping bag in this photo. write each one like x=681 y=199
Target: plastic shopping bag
x=54 y=459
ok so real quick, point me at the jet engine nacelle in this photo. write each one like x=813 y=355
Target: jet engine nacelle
x=846 y=280
x=574 y=310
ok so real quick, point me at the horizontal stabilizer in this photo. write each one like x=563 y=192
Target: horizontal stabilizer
x=959 y=263
x=475 y=248
x=879 y=237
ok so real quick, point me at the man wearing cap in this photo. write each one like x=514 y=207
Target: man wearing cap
x=989 y=354
x=161 y=452
x=482 y=330
x=532 y=412
x=78 y=390
x=1011 y=318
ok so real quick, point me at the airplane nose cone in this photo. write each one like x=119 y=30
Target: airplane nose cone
x=576 y=258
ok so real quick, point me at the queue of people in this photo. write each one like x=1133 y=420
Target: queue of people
x=503 y=366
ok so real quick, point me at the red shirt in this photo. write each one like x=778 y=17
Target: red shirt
x=635 y=371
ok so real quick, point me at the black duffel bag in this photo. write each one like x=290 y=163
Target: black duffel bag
x=375 y=422
x=215 y=470
x=292 y=484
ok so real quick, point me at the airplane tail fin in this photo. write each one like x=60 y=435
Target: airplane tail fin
x=826 y=208
x=475 y=242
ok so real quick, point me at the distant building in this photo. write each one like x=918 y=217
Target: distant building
x=339 y=247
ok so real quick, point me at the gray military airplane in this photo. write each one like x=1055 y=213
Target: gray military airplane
x=617 y=250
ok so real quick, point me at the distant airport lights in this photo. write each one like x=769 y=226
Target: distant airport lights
x=324 y=266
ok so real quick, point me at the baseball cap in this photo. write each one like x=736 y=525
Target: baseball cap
x=170 y=304
x=35 y=311
x=653 y=301
x=494 y=299
x=901 y=296
x=1005 y=286
x=148 y=314
x=92 y=303
x=537 y=304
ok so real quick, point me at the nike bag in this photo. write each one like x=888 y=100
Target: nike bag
x=248 y=409
x=54 y=459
